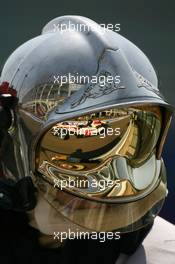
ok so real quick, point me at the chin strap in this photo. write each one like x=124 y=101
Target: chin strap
x=74 y=251
x=129 y=242
x=17 y=196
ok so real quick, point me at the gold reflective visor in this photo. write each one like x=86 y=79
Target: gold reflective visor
x=87 y=150
x=83 y=143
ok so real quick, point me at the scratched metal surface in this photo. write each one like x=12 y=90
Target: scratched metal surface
x=150 y=26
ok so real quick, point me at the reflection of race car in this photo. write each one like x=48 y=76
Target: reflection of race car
x=79 y=129
x=62 y=128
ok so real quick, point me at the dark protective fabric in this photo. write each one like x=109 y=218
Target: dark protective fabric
x=19 y=244
x=18 y=196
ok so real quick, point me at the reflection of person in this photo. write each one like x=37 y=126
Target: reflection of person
x=32 y=208
x=77 y=155
x=89 y=123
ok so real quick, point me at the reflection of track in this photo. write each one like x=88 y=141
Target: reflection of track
x=85 y=144
x=74 y=151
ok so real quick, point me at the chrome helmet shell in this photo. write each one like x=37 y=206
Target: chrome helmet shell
x=32 y=72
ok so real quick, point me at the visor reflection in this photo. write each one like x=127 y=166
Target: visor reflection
x=106 y=148
x=85 y=142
